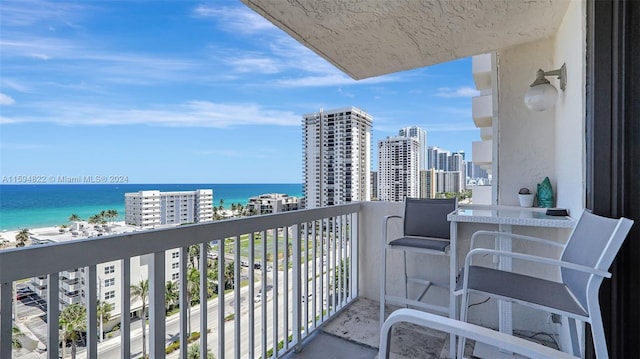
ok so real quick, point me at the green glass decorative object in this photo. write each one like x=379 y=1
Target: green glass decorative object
x=545 y=194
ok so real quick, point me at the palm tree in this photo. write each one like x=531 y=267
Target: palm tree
x=194 y=254
x=22 y=237
x=16 y=335
x=73 y=320
x=193 y=292
x=194 y=352
x=212 y=281
x=112 y=213
x=171 y=293
x=95 y=219
x=229 y=273
x=141 y=291
x=104 y=313
x=74 y=218
x=221 y=207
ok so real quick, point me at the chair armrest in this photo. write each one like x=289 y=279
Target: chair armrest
x=515 y=236
x=532 y=258
x=385 y=223
x=455 y=327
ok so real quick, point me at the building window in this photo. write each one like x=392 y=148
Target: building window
x=175 y=265
x=175 y=276
x=109 y=282
x=109 y=269
x=110 y=294
x=175 y=255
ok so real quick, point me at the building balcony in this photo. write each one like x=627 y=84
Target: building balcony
x=71 y=286
x=328 y=300
x=481 y=70
x=73 y=274
x=482 y=110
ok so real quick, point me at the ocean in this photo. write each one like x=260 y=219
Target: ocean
x=33 y=206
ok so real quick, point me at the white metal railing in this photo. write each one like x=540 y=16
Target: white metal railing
x=311 y=275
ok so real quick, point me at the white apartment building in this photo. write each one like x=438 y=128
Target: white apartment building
x=153 y=208
x=457 y=163
x=374 y=185
x=420 y=135
x=438 y=181
x=73 y=281
x=438 y=158
x=272 y=203
x=337 y=157
x=398 y=168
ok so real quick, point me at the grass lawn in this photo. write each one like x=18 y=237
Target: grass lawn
x=257 y=243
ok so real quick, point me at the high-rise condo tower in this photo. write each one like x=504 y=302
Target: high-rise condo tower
x=337 y=157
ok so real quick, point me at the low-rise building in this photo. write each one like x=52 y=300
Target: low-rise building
x=153 y=208
x=272 y=203
x=72 y=287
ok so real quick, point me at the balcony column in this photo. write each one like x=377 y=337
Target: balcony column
x=125 y=308
x=221 y=310
x=185 y=306
x=53 y=316
x=5 y=319
x=297 y=338
x=157 y=324
x=91 y=304
x=203 y=298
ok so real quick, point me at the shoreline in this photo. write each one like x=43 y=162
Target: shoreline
x=33 y=206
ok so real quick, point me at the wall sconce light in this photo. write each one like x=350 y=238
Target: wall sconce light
x=542 y=95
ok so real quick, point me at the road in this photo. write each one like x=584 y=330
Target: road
x=110 y=348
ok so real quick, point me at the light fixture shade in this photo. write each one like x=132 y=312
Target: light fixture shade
x=541 y=97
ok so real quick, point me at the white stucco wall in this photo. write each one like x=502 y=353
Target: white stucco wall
x=533 y=145
x=570 y=48
x=527 y=139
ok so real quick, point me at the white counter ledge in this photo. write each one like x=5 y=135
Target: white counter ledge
x=506 y=215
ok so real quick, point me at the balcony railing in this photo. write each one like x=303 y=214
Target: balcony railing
x=301 y=269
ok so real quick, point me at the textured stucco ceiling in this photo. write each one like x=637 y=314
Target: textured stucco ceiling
x=366 y=38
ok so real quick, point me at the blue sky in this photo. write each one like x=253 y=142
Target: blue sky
x=189 y=92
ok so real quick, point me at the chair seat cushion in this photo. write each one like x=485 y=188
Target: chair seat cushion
x=427 y=243
x=523 y=288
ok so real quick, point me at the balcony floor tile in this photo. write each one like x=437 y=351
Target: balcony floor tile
x=323 y=346
x=357 y=330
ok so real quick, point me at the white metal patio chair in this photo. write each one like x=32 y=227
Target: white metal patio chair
x=426 y=230
x=583 y=264
x=457 y=328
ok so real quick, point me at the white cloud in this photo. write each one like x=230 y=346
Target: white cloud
x=30 y=12
x=14 y=85
x=263 y=65
x=235 y=19
x=6 y=100
x=40 y=56
x=448 y=92
x=6 y=120
x=345 y=93
x=188 y=114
